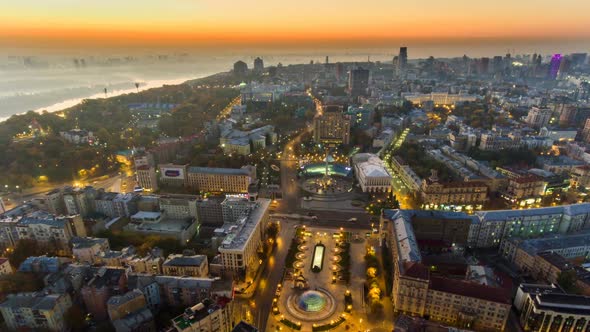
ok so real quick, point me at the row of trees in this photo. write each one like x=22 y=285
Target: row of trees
x=373 y=292
x=142 y=244
x=479 y=115
x=522 y=158
x=415 y=155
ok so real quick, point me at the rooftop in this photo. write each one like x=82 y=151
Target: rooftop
x=555 y=259
x=199 y=311
x=416 y=270
x=553 y=242
x=184 y=282
x=406 y=240
x=41 y=264
x=147 y=215
x=559 y=161
x=88 y=242
x=121 y=299
x=244 y=327
x=373 y=167
x=50 y=221
x=539 y=288
x=470 y=289
x=165 y=226
x=240 y=233
x=180 y=260
x=219 y=171
x=133 y=321
x=502 y=215
x=564 y=303
x=105 y=277
x=33 y=301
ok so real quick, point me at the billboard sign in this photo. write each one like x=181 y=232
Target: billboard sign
x=171 y=172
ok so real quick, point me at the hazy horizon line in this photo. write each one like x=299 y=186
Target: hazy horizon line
x=513 y=45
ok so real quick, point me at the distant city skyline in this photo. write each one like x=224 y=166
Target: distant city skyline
x=222 y=24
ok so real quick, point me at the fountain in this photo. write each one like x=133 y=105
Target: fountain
x=312 y=301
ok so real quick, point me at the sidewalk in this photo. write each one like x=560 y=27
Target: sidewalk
x=249 y=290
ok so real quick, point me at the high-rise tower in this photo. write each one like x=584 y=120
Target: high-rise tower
x=402 y=61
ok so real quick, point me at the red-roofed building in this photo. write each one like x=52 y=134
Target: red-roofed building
x=455 y=302
x=469 y=289
x=418 y=291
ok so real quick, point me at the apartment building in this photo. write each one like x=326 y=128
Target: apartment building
x=207 y=316
x=525 y=190
x=178 y=206
x=546 y=308
x=104 y=283
x=242 y=239
x=87 y=249
x=417 y=292
x=331 y=126
x=146 y=177
x=435 y=193
x=48 y=229
x=521 y=251
x=5 y=267
x=36 y=311
x=220 y=180
x=129 y=312
x=183 y=265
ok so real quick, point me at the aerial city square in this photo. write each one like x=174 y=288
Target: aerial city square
x=200 y=166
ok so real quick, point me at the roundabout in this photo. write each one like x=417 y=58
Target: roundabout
x=327 y=178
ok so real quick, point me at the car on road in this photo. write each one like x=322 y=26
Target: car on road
x=353 y=220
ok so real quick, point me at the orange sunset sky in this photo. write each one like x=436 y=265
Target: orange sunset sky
x=303 y=22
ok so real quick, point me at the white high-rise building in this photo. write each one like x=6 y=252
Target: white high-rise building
x=538 y=117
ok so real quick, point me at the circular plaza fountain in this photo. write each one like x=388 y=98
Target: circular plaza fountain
x=311 y=305
x=312 y=301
